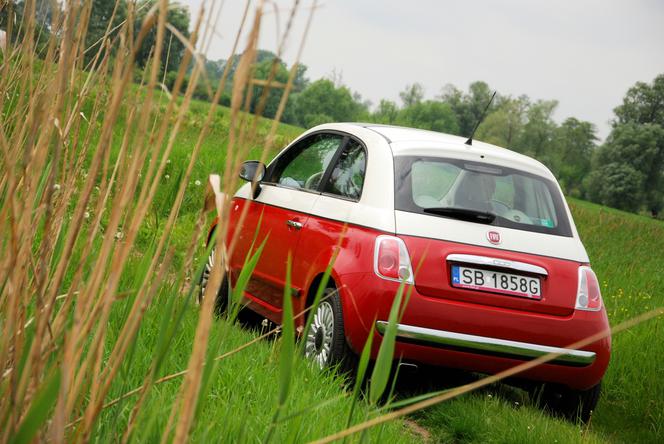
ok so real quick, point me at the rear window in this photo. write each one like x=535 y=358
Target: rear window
x=513 y=199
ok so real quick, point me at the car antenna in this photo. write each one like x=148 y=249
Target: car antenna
x=469 y=142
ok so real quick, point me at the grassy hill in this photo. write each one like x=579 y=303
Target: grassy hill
x=240 y=392
x=626 y=251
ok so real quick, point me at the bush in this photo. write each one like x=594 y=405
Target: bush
x=616 y=185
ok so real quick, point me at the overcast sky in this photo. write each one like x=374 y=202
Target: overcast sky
x=583 y=53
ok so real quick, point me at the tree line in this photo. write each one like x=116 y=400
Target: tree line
x=105 y=19
x=625 y=172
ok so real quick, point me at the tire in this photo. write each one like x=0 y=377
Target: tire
x=223 y=295
x=325 y=343
x=574 y=405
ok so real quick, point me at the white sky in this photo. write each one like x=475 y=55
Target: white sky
x=583 y=53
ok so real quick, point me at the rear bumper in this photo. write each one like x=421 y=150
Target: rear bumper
x=478 y=338
x=488 y=346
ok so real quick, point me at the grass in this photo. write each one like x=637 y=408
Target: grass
x=632 y=405
x=101 y=232
x=241 y=393
x=627 y=253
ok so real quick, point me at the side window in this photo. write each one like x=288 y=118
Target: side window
x=347 y=176
x=303 y=166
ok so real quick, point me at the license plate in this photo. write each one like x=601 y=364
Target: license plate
x=496 y=282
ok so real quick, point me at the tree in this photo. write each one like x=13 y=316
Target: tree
x=105 y=16
x=323 y=102
x=574 y=143
x=642 y=104
x=641 y=147
x=617 y=185
x=539 y=131
x=469 y=107
x=431 y=115
x=13 y=24
x=637 y=141
x=504 y=125
x=262 y=72
x=387 y=112
x=172 y=49
x=412 y=94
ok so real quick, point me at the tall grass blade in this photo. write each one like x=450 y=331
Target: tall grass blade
x=452 y=393
x=39 y=410
x=320 y=291
x=383 y=366
x=362 y=366
x=287 y=339
x=287 y=350
x=235 y=304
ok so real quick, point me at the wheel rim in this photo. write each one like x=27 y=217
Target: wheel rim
x=321 y=332
x=206 y=275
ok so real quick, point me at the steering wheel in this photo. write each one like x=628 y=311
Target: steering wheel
x=313 y=181
x=518 y=216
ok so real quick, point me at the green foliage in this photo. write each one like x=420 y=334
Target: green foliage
x=105 y=15
x=617 y=185
x=262 y=71
x=387 y=112
x=12 y=21
x=636 y=142
x=503 y=126
x=469 y=107
x=412 y=95
x=322 y=102
x=430 y=115
x=643 y=104
x=538 y=133
x=173 y=49
x=40 y=408
x=571 y=162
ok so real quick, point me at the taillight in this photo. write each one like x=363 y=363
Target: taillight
x=391 y=260
x=588 y=296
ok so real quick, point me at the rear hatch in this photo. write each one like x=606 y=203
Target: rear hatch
x=487 y=235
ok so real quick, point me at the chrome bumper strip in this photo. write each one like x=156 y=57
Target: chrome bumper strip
x=487 y=345
x=495 y=262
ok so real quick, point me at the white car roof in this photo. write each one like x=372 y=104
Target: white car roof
x=411 y=141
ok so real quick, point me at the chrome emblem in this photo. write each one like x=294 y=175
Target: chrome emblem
x=493 y=237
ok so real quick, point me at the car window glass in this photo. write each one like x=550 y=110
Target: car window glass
x=518 y=199
x=432 y=182
x=347 y=176
x=305 y=170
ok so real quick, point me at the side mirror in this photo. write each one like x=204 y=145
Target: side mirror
x=253 y=171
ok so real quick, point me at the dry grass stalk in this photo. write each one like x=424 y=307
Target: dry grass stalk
x=54 y=167
x=453 y=393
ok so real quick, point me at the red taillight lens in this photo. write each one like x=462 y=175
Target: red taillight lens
x=391 y=259
x=388 y=258
x=588 y=295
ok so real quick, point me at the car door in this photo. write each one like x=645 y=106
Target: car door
x=341 y=190
x=280 y=213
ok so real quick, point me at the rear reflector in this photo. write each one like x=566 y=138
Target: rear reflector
x=588 y=296
x=391 y=260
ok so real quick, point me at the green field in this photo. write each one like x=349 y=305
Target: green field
x=627 y=252
x=240 y=393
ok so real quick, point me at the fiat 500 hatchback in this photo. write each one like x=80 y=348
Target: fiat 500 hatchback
x=482 y=234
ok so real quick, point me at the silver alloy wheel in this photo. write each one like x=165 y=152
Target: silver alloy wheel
x=319 y=338
x=206 y=275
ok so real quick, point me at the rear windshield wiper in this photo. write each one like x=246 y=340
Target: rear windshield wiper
x=482 y=217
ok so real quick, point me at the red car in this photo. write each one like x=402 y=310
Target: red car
x=501 y=274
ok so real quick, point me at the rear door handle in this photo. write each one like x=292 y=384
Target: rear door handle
x=294 y=224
